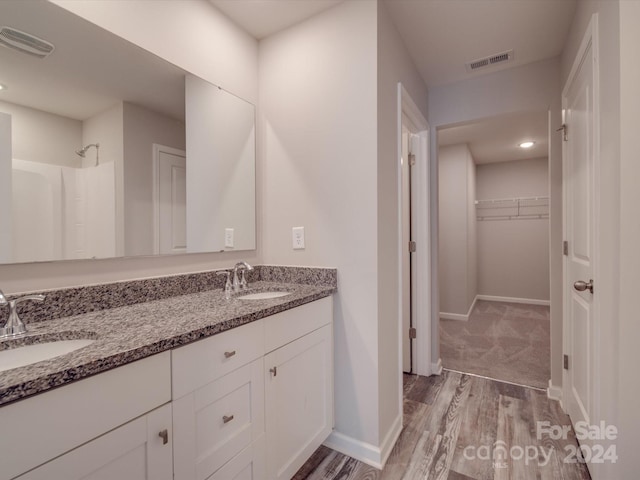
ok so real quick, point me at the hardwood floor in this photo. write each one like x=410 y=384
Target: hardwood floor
x=463 y=427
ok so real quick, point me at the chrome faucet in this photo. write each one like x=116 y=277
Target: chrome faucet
x=14 y=326
x=239 y=283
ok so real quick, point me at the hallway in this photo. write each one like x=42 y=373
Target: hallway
x=453 y=425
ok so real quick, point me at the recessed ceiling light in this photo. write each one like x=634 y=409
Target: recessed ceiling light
x=2 y=87
x=527 y=144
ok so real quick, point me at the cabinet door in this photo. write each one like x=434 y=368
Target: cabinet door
x=134 y=451
x=217 y=421
x=298 y=401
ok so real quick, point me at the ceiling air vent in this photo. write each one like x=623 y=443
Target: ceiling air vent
x=488 y=61
x=25 y=42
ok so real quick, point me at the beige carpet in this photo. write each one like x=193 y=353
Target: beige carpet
x=504 y=341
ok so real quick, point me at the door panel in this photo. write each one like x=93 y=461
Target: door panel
x=580 y=231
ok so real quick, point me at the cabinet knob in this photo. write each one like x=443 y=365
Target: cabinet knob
x=227 y=418
x=164 y=435
x=274 y=370
x=229 y=354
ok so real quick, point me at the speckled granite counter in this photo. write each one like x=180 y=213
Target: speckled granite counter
x=125 y=334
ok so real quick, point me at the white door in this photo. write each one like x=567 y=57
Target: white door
x=407 y=342
x=134 y=451
x=580 y=160
x=170 y=200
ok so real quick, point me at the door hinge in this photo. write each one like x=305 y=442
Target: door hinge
x=412 y=246
x=413 y=333
x=564 y=129
x=565 y=248
x=412 y=159
x=566 y=362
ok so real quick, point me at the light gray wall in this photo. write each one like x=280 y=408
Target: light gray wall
x=218 y=51
x=457 y=233
x=143 y=128
x=318 y=140
x=43 y=137
x=513 y=255
x=394 y=65
x=629 y=331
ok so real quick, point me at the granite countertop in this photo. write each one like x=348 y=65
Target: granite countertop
x=125 y=334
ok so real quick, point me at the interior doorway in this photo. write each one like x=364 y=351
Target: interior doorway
x=414 y=246
x=494 y=269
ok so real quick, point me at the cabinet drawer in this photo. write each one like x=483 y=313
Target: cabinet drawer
x=217 y=421
x=247 y=465
x=291 y=324
x=40 y=428
x=199 y=363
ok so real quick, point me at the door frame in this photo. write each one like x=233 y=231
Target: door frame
x=157 y=149
x=590 y=39
x=421 y=260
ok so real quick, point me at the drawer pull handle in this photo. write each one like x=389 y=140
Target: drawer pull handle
x=229 y=354
x=227 y=418
x=274 y=370
x=164 y=435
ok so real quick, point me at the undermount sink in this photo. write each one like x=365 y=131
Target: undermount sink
x=263 y=295
x=28 y=354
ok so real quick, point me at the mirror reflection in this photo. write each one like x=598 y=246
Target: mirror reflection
x=94 y=158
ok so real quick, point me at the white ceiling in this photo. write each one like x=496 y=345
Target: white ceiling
x=443 y=35
x=497 y=139
x=89 y=71
x=262 y=18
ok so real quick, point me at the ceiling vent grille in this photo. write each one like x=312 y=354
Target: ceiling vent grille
x=25 y=42
x=488 y=61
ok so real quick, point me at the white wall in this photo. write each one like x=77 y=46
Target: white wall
x=204 y=42
x=43 y=137
x=143 y=128
x=394 y=65
x=457 y=234
x=532 y=87
x=513 y=255
x=319 y=147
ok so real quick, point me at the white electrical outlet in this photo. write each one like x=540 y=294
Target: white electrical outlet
x=228 y=237
x=298 y=238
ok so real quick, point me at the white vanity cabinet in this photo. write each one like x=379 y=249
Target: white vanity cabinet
x=298 y=387
x=256 y=401
x=70 y=425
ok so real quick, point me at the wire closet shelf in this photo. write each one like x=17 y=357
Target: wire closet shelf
x=519 y=208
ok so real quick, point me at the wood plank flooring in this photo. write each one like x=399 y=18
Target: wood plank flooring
x=463 y=427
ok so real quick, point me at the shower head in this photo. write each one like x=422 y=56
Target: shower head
x=83 y=151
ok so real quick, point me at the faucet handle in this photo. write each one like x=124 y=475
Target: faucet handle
x=3 y=299
x=227 y=283
x=14 y=325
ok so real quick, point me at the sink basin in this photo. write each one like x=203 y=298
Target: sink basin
x=28 y=354
x=263 y=295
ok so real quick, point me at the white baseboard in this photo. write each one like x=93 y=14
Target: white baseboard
x=529 y=301
x=460 y=316
x=554 y=392
x=436 y=368
x=363 y=451
x=390 y=440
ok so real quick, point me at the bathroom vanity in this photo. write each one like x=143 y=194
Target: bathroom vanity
x=212 y=388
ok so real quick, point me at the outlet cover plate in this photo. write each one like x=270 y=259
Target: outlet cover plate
x=298 y=238
x=228 y=237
